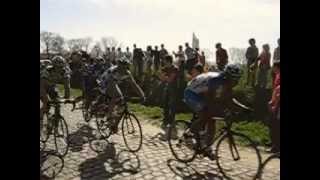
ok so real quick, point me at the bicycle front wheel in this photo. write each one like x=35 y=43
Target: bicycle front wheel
x=182 y=147
x=45 y=128
x=61 y=137
x=237 y=152
x=131 y=132
x=270 y=168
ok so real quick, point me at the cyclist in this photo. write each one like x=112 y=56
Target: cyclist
x=209 y=94
x=109 y=85
x=47 y=86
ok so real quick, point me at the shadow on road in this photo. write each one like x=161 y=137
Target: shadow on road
x=51 y=164
x=187 y=171
x=80 y=137
x=109 y=163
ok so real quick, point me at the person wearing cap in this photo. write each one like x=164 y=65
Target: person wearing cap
x=168 y=76
x=221 y=57
x=109 y=86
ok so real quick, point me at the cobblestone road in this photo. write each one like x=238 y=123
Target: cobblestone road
x=94 y=159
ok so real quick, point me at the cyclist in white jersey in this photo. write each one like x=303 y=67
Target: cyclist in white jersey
x=109 y=83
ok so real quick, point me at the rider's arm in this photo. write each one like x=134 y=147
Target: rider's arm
x=134 y=84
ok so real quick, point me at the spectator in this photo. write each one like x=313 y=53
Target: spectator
x=276 y=54
x=113 y=55
x=198 y=54
x=274 y=106
x=180 y=56
x=264 y=66
x=221 y=57
x=128 y=54
x=169 y=78
x=107 y=55
x=156 y=58
x=163 y=52
x=135 y=60
x=148 y=60
x=252 y=54
x=138 y=62
x=119 y=54
x=202 y=59
x=276 y=57
x=67 y=80
x=191 y=57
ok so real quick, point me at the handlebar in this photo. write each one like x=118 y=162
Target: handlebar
x=244 y=107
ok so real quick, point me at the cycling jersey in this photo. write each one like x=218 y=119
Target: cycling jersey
x=110 y=79
x=205 y=82
x=193 y=94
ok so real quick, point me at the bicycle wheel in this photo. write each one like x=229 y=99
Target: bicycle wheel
x=50 y=165
x=103 y=126
x=61 y=136
x=131 y=132
x=45 y=129
x=237 y=152
x=270 y=168
x=181 y=147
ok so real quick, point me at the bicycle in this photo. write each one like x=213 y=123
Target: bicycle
x=55 y=124
x=108 y=126
x=273 y=159
x=226 y=139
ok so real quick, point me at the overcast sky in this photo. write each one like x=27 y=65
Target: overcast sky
x=171 y=22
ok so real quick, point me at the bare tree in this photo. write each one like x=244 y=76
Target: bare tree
x=110 y=42
x=237 y=55
x=86 y=43
x=96 y=50
x=46 y=39
x=51 y=42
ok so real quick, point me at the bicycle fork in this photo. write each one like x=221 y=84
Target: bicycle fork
x=233 y=148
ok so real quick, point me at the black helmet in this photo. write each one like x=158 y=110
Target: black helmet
x=233 y=71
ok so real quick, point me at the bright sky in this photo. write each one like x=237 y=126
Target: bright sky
x=171 y=22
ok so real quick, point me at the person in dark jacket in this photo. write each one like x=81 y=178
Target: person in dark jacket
x=221 y=57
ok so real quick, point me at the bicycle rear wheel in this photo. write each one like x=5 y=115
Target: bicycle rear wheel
x=237 y=152
x=131 y=132
x=181 y=147
x=61 y=136
x=270 y=168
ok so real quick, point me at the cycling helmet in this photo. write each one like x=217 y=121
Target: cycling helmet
x=45 y=64
x=58 y=61
x=99 y=59
x=124 y=61
x=233 y=71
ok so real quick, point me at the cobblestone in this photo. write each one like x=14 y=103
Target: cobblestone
x=151 y=162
